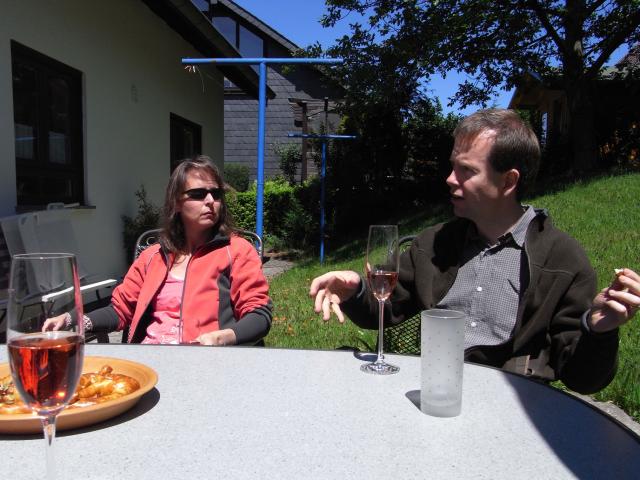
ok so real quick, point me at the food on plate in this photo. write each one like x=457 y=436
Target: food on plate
x=93 y=388
x=10 y=401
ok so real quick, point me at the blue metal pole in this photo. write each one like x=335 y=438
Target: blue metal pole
x=323 y=171
x=315 y=135
x=262 y=105
x=255 y=61
x=322 y=193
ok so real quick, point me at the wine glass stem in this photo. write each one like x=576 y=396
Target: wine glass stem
x=380 y=358
x=49 y=427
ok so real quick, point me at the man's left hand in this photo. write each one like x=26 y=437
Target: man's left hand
x=617 y=303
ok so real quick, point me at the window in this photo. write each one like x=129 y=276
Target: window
x=202 y=5
x=47 y=115
x=185 y=141
x=248 y=43
x=227 y=27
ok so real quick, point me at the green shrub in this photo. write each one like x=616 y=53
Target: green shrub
x=147 y=218
x=237 y=176
x=290 y=157
x=290 y=212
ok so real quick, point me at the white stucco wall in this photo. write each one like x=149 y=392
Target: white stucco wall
x=118 y=46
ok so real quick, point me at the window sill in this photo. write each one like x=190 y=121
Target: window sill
x=38 y=208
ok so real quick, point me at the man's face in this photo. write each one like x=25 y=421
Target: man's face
x=476 y=188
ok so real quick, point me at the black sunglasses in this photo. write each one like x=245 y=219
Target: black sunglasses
x=201 y=193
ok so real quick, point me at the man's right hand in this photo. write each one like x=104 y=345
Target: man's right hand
x=331 y=289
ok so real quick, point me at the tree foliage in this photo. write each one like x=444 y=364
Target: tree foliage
x=404 y=42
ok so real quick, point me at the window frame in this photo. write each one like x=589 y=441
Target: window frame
x=40 y=169
x=232 y=89
x=175 y=119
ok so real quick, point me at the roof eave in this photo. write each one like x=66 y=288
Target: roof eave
x=259 y=24
x=192 y=25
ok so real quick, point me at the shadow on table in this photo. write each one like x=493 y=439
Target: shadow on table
x=414 y=397
x=359 y=354
x=146 y=403
x=578 y=432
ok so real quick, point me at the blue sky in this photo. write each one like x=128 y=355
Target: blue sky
x=298 y=21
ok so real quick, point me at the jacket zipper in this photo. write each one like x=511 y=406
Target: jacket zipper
x=184 y=288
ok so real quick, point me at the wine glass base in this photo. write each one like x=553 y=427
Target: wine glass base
x=379 y=368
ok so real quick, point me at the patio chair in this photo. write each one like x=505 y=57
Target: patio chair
x=403 y=338
x=48 y=231
x=150 y=237
x=51 y=231
x=5 y=265
x=145 y=240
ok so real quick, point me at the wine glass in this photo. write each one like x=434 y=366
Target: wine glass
x=45 y=366
x=381 y=268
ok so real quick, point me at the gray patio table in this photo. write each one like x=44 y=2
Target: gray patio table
x=247 y=413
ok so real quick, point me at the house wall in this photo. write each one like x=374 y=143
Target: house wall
x=241 y=115
x=132 y=80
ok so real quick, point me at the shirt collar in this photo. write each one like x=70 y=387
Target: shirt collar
x=519 y=231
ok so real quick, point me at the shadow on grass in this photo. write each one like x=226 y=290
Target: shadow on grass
x=410 y=222
x=352 y=244
x=562 y=181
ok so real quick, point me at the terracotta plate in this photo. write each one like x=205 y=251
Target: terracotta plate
x=84 y=416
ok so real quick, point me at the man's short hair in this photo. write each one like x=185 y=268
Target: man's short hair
x=515 y=145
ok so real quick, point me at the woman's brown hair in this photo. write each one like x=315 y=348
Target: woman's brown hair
x=172 y=237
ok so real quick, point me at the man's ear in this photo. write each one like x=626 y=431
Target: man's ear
x=510 y=182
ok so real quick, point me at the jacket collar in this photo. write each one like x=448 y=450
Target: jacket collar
x=219 y=240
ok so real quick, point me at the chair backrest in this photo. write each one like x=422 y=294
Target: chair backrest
x=403 y=338
x=151 y=237
x=50 y=231
x=145 y=240
x=5 y=267
x=405 y=242
x=254 y=238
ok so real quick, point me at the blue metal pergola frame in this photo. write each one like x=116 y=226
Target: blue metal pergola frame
x=323 y=172
x=262 y=104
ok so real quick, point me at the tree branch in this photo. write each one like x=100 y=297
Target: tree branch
x=595 y=6
x=546 y=23
x=609 y=44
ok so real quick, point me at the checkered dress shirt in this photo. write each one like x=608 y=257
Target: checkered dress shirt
x=489 y=283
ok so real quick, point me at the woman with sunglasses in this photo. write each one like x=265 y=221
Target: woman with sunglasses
x=200 y=284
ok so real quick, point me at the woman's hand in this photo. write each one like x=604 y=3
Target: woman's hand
x=54 y=323
x=218 y=338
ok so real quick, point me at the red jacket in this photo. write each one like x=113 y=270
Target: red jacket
x=224 y=287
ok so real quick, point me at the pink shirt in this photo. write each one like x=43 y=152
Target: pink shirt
x=166 y=312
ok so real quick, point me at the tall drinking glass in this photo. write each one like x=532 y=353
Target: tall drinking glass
x=381 y=268
x=45 y=366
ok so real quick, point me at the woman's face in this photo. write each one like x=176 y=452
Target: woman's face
x=199 y=210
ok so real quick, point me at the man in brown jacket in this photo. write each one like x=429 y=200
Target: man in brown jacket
x=527 y=288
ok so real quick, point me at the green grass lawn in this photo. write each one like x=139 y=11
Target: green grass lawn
x=602 y=214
